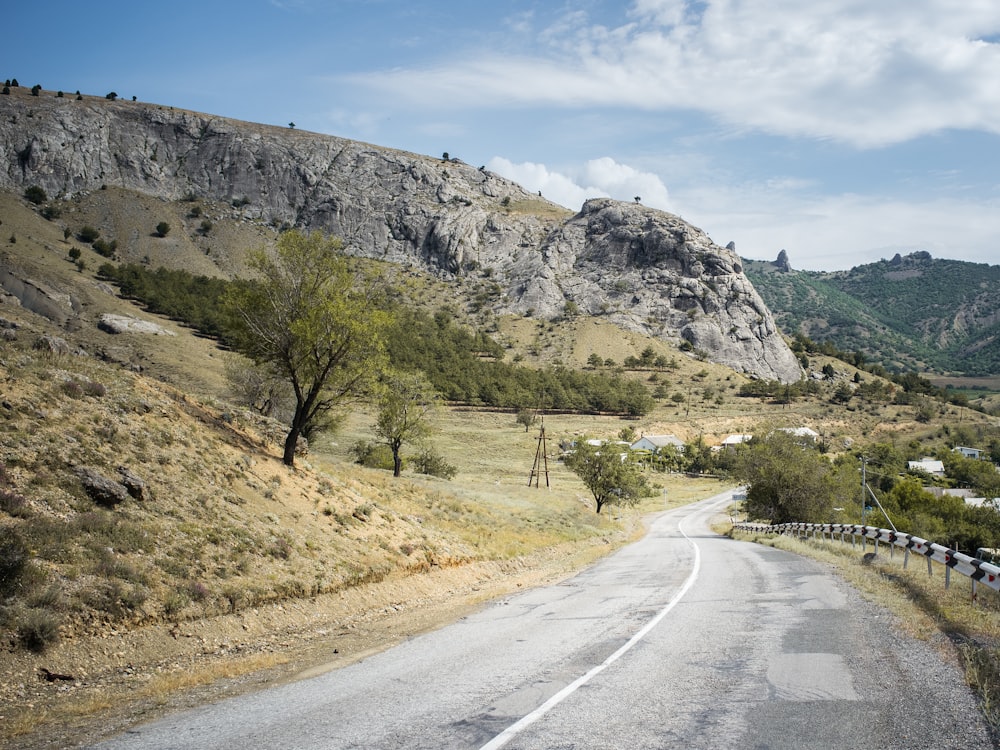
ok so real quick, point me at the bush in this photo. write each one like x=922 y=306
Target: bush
x=88 y=234
x=38 y=629
x=429 y=462
x=35 y=195
x=373 y=455
x=13 y=563
x=162 y=229
x=107 y=249
x=14 y=504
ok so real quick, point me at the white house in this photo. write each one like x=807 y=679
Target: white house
x=927 y=465
x=801 y=432
x=732 y=441
x=653 y=443
x=975 y=453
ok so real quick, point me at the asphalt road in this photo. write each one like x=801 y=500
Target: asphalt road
x=682 y=640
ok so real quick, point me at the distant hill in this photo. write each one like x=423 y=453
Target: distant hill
x=910 y=313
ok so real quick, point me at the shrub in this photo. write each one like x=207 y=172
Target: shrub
x=13 y=563
x=14 y=503
x=174 y=602
x=38 y=629
x=35 y=195
x=373 y=455
x=197 y=591
x=431 y=463
x=107 y=249
x=72 y=389
x=162 y=229
x=88 y=234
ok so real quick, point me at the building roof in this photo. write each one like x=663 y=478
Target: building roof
x=929 y=465
x=736 y=439
x=659 y=441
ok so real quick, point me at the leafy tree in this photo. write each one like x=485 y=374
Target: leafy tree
x=526 y=417
x=595 y=361
x=981 y=476
x=314 y=321
x=162 y=229
x=611 y=479
x=698 y=456
x=405 y=405
x=788 y=480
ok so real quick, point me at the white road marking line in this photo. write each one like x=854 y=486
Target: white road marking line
x=514 y=729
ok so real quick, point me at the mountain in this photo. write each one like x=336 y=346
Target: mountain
x=644 y=270
x=910 y=313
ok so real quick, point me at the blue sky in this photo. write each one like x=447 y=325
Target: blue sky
x=843 y=131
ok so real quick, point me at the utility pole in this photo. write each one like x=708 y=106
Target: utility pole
x=541 y=459
x=864 y=487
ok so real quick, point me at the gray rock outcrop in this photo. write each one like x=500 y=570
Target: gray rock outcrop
x=643 y=269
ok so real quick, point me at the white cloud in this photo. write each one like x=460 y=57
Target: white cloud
x=598 y=178
x=852 y=70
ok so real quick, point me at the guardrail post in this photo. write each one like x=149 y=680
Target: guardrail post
x=947 y=576
x=906 y=557
x=929 y=571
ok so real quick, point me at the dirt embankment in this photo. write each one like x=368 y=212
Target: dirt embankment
x=123 y=678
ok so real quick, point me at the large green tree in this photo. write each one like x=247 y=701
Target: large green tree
x=315 y=321
x=611 y=478
x=788 y=479
x=405 y=404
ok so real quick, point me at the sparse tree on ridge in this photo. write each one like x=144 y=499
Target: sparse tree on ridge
x=315 y=321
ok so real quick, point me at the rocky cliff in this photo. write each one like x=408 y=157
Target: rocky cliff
x=645 y=270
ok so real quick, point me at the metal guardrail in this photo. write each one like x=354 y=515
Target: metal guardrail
x=978 y=570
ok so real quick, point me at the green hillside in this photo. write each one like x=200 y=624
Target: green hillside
x=911 y=313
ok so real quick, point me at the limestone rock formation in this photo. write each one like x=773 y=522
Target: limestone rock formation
x=644 y=269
